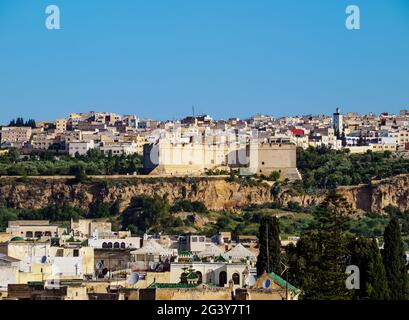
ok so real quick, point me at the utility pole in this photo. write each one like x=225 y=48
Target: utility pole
x=286 y=268
x=268 y=253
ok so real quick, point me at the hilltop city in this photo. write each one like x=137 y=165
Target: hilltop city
x=102 y=206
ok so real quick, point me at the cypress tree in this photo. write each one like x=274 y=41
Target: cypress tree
x=394 y=261
x=321 y=254
x=269 y=259
x=20 y=122
x=373 y=282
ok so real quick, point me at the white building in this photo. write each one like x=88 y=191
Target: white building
x=8 y=271
x=80 y=147
x=240 y=253
x=115 y=243
x=217 y=273
x=28 y=252
x=119 y=148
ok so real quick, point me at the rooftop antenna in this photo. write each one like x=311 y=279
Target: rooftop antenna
x=193 y=111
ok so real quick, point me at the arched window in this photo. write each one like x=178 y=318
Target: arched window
x=38 y=234
x=110 y=245
x=116 y=245
x=104 y=245
x=236 y=278
x=47 y=233
x=222 y=278
x=29 y=234
x=123 y=245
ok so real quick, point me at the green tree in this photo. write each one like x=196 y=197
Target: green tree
x=147 y=213
x=275 y=175
x=320 y=257
x=269 y=258
x=373 y=282
x=394 y=261
x=100 y=210
x=7 y=215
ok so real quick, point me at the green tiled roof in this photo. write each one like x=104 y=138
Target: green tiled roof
x=220 y=259
x=156 y=285
x=17 y=239
x=282 y=283
x=184 y=253
x=192 y=275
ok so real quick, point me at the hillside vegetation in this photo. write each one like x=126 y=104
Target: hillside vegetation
x=323 y=168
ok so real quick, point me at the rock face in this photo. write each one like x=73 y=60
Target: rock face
x=363 y=198
x=215 y=193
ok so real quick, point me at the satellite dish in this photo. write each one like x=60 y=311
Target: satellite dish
x=251 y=280
x=43 y=259
x=266 y=284
x=133 y=278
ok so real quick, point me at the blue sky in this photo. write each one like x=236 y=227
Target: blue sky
x=157 y=58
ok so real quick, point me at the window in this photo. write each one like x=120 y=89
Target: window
x=222 y=278
x=194 y=239
x=116 y=245
x=236 y=278
x=123 y=245
x=76 y=253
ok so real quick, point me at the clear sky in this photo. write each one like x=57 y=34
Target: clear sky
x=157 y=58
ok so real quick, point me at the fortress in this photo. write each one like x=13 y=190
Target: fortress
x=257 y=157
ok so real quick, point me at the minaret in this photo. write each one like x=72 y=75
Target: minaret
x=338 y=123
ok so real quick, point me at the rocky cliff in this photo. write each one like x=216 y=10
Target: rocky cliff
x=215 y=193
x=363 y=198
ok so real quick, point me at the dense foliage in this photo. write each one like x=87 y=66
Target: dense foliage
x=47 y=164
x=19 y=122
x=154 y=214
x=318 y=262
x=373 y=282
x=319 y=259
x=189 y=206
x=326 y=168
x=395 y=261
